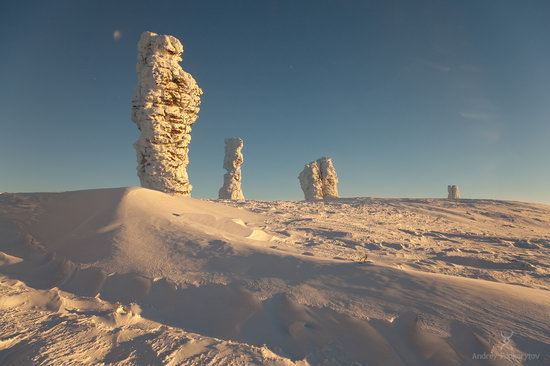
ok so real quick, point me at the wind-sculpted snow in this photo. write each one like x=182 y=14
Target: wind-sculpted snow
x=53 y=327
x=318 y=180
x=164 y=107
x=133 y=276
x=233 y=159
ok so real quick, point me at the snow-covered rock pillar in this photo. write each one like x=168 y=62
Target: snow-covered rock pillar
x=318 y=180
x=164 y=107
x=310 y=181
x=231 y=189
x=329 y=178
x=453 y=193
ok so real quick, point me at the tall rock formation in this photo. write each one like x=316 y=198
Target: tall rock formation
x=329 y=178
x=453 y=193
x=319 y=180
x=310 y=181
x=164 y=107
x=231 y=189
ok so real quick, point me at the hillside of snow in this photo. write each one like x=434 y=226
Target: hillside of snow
x=131 y=276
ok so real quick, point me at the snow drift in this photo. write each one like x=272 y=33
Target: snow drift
x=208 y=269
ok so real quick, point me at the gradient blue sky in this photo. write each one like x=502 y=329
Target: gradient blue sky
x=406 y=96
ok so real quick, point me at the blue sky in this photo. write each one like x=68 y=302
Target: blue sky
x=406 y=96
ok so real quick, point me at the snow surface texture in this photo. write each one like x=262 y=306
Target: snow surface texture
x=453 y=193
x=319 y=180
x=53 y=327
x=164 y=107
x=233 y=159
x=274 y=283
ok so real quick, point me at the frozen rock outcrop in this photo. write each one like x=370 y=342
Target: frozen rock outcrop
x=453 y=193
x=319 y=180
x=311 y=183
x=231 y=189
x=164 y=107
x=329 y=178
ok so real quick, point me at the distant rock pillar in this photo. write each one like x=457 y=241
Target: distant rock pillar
x=164 y=107
x=453 y=193
x=329 y=178
x=318 y=180
x=231 y=189
x=311 y=183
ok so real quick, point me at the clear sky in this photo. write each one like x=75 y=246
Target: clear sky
x=405 y=96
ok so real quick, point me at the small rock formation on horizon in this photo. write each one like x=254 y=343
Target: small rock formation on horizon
x=233 y=159
x=318 y=180
x=453 y=193
x=164 y=107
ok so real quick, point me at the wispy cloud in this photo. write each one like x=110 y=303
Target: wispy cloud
x=492 y=135
x=485 y=119
x=479 y=116
x=439 y=67
x=469 y=68
x=479 y=108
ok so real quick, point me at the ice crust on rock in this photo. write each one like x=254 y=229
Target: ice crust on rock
x=453 y=193
x=233 y=159
x=164 y=107
x=318 y=180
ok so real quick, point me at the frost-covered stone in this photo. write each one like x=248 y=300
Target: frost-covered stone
x=453 y=193
x=164 y=107
x=311 y=183
x=329 y=178
x=231 y=189
x=318 y=180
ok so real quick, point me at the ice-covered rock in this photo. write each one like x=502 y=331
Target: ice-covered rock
x=329 y=178
x=164 y=107
x=231 y=189
x=310 y=181
x=453 y=193
x=318 y=180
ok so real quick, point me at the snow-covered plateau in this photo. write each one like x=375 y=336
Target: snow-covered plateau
x=132 y=276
